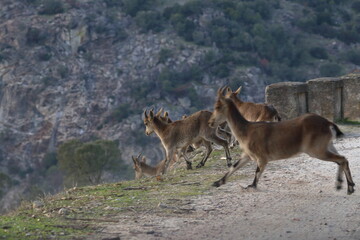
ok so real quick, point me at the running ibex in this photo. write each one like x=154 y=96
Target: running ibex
x=180 y=134
x=269 y=141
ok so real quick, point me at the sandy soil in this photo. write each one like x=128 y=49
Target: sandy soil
x=295 y=199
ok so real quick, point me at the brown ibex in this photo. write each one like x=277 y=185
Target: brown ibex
x=180 y=134
x=269 y=141
x=253 y=112
x=143 y=169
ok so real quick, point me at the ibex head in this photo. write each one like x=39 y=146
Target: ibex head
x=217 y=116
x=230 y=94
x=148 y=122
x=137 y=166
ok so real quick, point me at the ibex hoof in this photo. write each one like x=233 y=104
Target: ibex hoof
x=229 y=165
x=216 y=184
x=189 y=167
x=350 y=190
x=338 y=187
x=250 y=187
x=199 y=165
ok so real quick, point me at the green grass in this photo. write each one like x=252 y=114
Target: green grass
x=348 y=122
x=89 y=207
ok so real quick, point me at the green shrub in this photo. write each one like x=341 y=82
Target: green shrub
x=63 y=71
x=113 y=3
x=121 y=112
x=330 y=70
x=35 y=36
x=318 y=52
x=149 y=20
x=52 y=7
x=132 y=7
x=44 y=54
x=353 y=57
x=85 y=163
x=165 y=54
x=356 y=6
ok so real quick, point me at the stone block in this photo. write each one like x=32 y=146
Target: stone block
x=325 y=97
x=289 y=98
x=351 y=97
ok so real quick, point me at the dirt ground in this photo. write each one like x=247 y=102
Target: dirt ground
x=295 y=199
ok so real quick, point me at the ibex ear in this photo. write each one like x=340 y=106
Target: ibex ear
x=238 y=90
x=228 y=90
x=151 y=114
x=166 y=114
x=143 y=159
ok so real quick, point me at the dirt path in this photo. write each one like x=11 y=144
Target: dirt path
x=295 y=199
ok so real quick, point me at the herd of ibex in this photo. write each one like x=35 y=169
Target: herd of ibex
x=258 y=129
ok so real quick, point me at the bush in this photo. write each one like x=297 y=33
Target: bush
x=353 y=57
x=35 y=36
x=356 y=6
x=132 y=7
x=85 y=163
x=121 y=112
x=165 y=54
x=63 y=71
x=44 y=54
x=149 y=20
x=330 y=70
x=52 y=7
x=112 y=3
x=318 y=52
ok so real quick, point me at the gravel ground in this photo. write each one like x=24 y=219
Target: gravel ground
x=296 y=199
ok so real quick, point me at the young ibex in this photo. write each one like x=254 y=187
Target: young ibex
x=269 y=141
x=180 y=134
x=253 y=112
x=143 y=169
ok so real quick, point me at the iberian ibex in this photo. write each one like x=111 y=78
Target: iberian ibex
x=179 y=134
x=269 y=141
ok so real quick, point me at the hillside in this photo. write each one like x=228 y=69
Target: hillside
x=296 y=199
x=85 y=69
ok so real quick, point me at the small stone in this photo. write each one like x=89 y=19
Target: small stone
x=38 y=204
x=64 y=211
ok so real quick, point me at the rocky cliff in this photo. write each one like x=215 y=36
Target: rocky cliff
x=81 y=74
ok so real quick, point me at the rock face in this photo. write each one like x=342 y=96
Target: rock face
x=64 y=76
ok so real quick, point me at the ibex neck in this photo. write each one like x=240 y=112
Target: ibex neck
x=160 y=126
x=235 y=120
x=236 y=101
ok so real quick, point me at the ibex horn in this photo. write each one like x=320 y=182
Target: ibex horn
x=238 y=90
x=159 y=112
x=145 y=114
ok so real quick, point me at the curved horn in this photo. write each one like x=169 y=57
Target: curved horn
x=134 y=160
x=220 y=91
x=159 y=112
x=145 y=114
x=238 y=90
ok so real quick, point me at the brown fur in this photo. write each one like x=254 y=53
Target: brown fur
x=269 y=141
x=142 y=169
x=180 y=134
x=253 y=112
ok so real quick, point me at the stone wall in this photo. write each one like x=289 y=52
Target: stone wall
x=333 y=98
